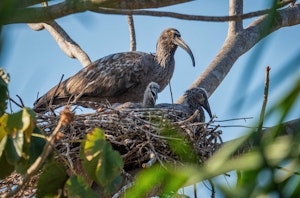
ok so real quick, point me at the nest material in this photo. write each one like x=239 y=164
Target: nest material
x=136 y=134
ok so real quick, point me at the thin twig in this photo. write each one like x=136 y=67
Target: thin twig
x=195 y=190
x=189 y=119
x=52 y=98
x=21 y=101
x=233 y=119
x=38 y=162
x=13 y=101
x=131 y=33
x=263 y=109
x=189 y=17
x=213 y=191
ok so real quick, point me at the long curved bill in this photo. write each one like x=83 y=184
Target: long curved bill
x=204 y=102
x=180 y=42
x=207 y=107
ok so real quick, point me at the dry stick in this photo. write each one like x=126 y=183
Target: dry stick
x=263 y=109
x=38 y=162
x=13 y=101
x=52 y=98
x=233 y=119
x=213 y=191
x=189 y=17
x=21 y=101
x=131 y=33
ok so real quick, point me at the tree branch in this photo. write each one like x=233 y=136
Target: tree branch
x=37 y=15
x=235 y=8
x=237 y=45
x=131 y=33
x=67 y=45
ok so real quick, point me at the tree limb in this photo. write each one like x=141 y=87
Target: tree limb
x=131 y=33
x=36 y=15
x=235 y=8
x=67 y=45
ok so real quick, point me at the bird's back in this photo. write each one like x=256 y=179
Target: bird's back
x=108 y=77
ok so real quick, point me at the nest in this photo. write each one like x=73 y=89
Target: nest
x=137 y=134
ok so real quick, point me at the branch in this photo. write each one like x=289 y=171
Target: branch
x=67 y=45
x=41 y=14
x=131 y=33
x=264 y=105
x=238 y=44
x=37 y=15
x=235 y=8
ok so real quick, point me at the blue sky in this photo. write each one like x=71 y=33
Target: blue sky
x=36 y=63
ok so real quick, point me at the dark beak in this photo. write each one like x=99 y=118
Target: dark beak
x=206 y=106
x=178 y=41
x=155 y=93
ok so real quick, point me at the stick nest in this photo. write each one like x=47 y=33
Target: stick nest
x=139 y=136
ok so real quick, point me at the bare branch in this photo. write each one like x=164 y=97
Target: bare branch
x=237 y=45
x=131 y=33
x=41 y=14
x=26 y=3
x=264 y=105
x=235 y=8
x=67 y=45
x=38 y=162
x=36 y=15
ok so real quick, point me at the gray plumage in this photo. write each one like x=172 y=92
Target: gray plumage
x=149 y=99
x=120 y=77
x=194 y=99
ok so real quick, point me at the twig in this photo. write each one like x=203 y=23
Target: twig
x=233 y=119
x=13 y=101
x=131 y=33
x=195 y=190
x=152 y=161
x=171 y=93
x=288 y=170
x=52 y=98
x=263 y=109
x=38 y=162
x=21 y=101
x=122 y=190
x=189 y=17
x=192 y=117
x=213 y=191
x=82 y=91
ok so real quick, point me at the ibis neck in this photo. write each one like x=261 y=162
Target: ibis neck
x=165 y=55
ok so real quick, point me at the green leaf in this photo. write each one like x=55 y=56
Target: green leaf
x=78 y=187
x=168 y=180
x=100 y=161
x=13 y=148
x=179 y=145
x=3 y=121
x=109 y=165
x=29 y=122
x=6 y=168
x=2 y=144
x=3 y=96
x=51 y=180
x=36 y=146
x=94 y=143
